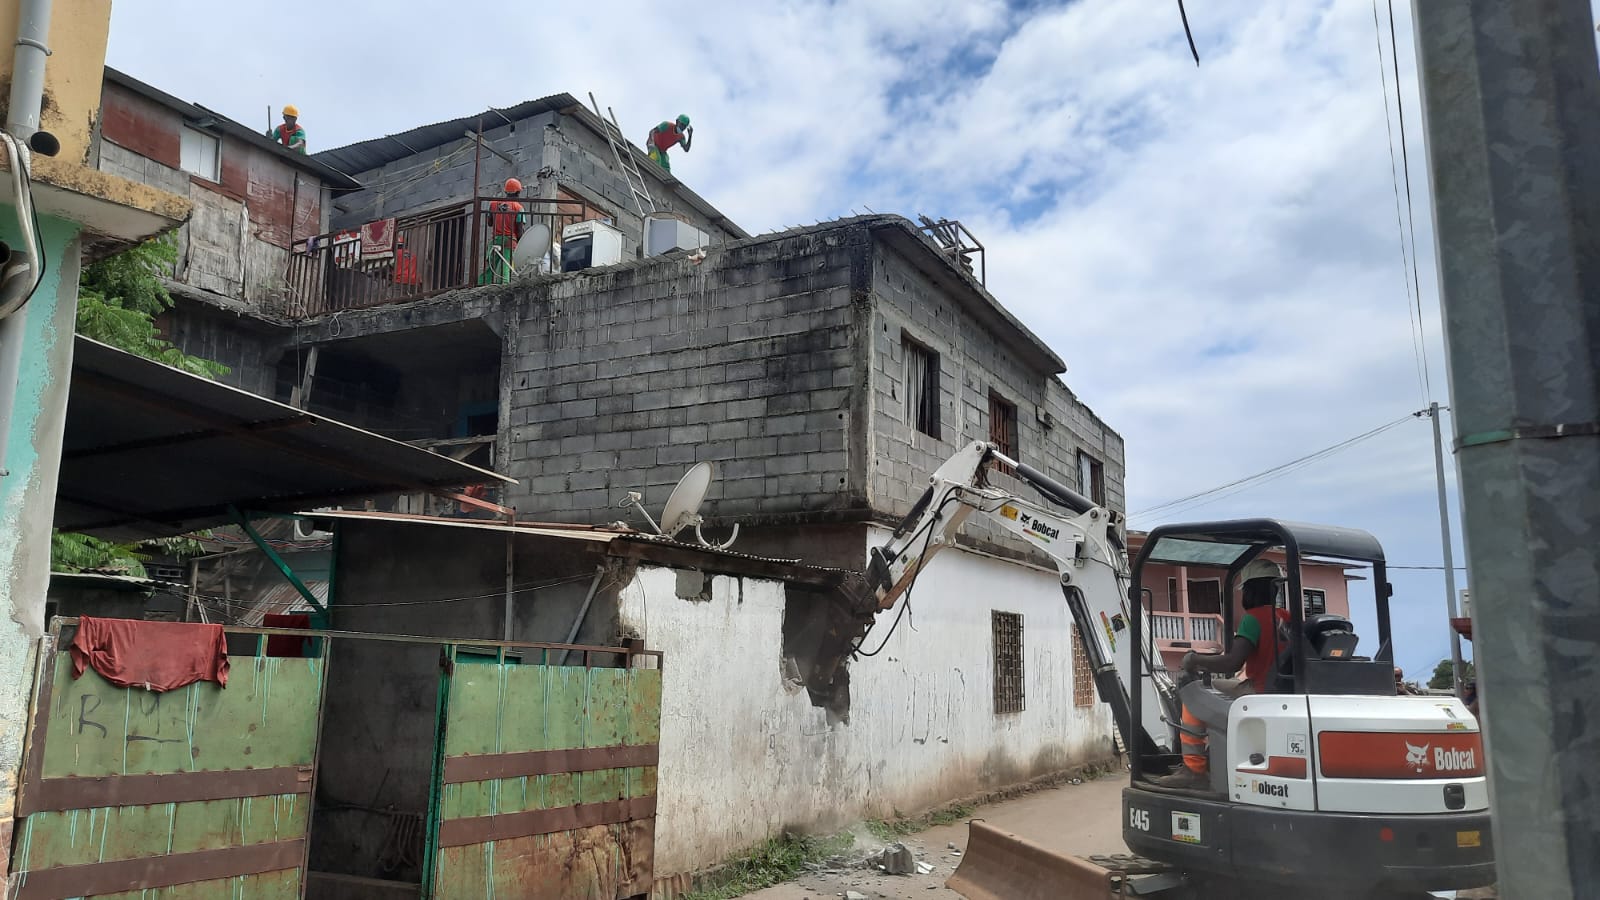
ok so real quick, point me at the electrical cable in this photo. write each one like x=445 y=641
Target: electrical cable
x=1411 y=218
x=1407 y=261
x=1283 y=468
x=905 y=602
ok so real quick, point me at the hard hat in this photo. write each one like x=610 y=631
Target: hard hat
x=1260 y=568
x=683 y=121
x=289 y=109
x=513 y=186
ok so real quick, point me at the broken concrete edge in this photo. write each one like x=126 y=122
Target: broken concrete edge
x=670 y=887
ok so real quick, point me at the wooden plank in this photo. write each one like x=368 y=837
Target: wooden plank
x=608 y=724
x=565 y=716
x=171 y=787
x=154 y=872
x=463 y=769
x=464 y=832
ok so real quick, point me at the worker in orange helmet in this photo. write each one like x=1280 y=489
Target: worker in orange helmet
x=290 y=134
x=507 y=221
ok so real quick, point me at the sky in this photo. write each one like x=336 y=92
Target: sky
x=1216 y=251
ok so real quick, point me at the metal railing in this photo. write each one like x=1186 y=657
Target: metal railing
x=1199 y=628
x=442 y=249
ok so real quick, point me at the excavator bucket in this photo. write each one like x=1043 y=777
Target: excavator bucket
x=999 y=865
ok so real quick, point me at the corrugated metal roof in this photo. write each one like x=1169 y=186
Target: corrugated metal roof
x=364 y=156
x=194 y=112
x=151 y=451
x=282 y=598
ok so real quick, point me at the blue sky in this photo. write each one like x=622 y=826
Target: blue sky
x=1214 y=251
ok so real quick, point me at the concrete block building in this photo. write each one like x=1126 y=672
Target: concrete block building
x=825 y=371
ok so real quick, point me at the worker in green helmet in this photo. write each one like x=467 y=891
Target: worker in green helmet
x=667 y=135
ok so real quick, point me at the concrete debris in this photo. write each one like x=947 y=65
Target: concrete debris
x=950 y=845
x=924 y=869
x=896 y=859
x=854 y=895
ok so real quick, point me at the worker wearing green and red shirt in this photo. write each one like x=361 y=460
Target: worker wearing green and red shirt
x=667 y=135
x=290 y=134
x=507 y=221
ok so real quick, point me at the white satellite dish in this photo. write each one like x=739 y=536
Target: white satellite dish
x=531 y=248
x=683 y=506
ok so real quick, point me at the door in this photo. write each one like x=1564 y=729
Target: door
x=203 y=791
x=545 y=779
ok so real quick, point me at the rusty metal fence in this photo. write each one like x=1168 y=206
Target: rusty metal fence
x=419 y=255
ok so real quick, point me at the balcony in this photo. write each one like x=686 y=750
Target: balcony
x=427 y=253
x=1198 y=630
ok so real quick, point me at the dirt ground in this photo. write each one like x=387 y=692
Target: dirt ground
x=1080 y=819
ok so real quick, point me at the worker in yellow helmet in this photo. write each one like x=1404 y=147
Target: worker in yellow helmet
x=290 y=134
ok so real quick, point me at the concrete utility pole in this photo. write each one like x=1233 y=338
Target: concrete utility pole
x=1449 y=553
x=1511 y=92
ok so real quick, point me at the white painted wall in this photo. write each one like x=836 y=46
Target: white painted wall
x=745 y=756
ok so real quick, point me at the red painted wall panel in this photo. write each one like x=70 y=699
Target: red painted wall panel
x=146 y=128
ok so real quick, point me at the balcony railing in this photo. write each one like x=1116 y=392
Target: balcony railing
x=439 y=250
x=1194 y=628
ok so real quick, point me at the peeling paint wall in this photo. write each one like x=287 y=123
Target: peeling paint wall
x=28 y=487
x=745 y=756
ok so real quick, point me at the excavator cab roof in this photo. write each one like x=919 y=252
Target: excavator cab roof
x=1232 y=543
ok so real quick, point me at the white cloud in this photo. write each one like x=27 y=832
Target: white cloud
x=1213 y=250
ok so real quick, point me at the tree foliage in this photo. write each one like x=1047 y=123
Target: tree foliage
x=1444 y=675
x=119 y=298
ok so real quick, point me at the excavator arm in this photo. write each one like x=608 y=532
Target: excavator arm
x=1084 y=542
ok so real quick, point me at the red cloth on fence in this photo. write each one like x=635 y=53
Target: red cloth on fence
x=156 y=656
x=286 y=644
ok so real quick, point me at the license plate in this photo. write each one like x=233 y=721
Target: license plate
x=1469 y=839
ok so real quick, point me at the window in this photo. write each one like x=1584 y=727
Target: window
x=1091 y=478
x=1008 y=695
x=1172 y=596
x=922 y=387
x=1205 y=597
x=1316 y=601
x=1082 y=675
x=1003 y=428
x=199 y=154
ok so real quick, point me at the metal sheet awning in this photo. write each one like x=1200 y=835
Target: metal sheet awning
x=151 y=451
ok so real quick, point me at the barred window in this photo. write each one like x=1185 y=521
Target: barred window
x=1008 y=692
x=922 y=387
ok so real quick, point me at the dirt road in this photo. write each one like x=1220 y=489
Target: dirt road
x=1078 y=819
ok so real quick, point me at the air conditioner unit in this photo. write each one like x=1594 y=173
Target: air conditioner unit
x=662 y=234
x=302 y=533
x=585 y=245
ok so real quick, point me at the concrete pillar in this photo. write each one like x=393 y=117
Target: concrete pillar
x=28 y=492
x=1511 y=94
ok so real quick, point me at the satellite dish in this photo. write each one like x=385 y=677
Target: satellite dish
x=683 y=507
x=531 y=248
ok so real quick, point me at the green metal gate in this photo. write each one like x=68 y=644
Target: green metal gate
x=202 y=791
x=545 y=775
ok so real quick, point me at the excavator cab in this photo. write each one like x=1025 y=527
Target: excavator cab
x=1327 y=778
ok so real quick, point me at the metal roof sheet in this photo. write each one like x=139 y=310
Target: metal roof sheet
x=152 y=451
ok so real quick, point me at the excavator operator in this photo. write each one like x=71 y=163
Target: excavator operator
x=1262 y=586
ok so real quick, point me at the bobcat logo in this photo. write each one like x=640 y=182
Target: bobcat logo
x=1417 y=757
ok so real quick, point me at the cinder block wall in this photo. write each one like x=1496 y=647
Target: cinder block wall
x=973 y=361
x=624 y=378
x=443 y=174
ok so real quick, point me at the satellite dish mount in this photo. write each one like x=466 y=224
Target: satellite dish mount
x=683 y=507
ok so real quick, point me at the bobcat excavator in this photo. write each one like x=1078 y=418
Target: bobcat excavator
x=1328 y=784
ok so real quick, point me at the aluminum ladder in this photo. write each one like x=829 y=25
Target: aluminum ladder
x=622 y=152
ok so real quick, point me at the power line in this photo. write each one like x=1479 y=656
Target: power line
x=1411 y=218
x=1407 y=261
x=1281 y=469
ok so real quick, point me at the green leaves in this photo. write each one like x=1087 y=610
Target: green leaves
x=119 y=298
x=72 y=552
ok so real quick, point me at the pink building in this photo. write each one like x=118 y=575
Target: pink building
x=1185 y=602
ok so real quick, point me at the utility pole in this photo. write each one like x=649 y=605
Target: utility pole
x=1449 y=555
x=1511 y=92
